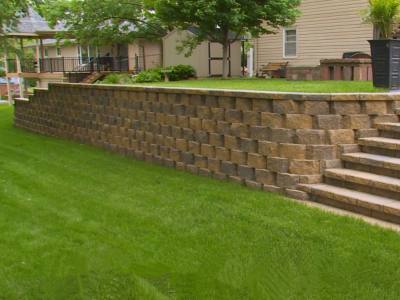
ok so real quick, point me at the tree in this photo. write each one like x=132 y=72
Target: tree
x=226 y=21
x=10 y=12
x=102 y=22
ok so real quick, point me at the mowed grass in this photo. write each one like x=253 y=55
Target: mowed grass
x=80 y=223
x=277 y=85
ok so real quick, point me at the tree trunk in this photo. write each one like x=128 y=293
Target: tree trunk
x=225 y=66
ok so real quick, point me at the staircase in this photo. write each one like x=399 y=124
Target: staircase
x=93 y=77
x=369 y=182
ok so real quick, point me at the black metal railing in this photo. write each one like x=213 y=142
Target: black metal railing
x=71 y=65
x=83 y=65
x=28 y=65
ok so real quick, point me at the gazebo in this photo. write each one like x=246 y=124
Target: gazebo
x=33 y=27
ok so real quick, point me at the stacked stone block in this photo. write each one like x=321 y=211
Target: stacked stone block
x=271 y=141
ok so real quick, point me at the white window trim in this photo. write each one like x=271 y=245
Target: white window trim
x=46 y=52
x=284 y=42
x=58 y=48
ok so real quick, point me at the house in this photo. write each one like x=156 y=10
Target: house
x=325 y=30
x=206 y=58
x=49 y=61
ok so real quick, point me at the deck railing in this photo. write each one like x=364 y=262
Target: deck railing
x=71 y=65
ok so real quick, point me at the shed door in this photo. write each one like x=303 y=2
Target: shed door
x=215 y=55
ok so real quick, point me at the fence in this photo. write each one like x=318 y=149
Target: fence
x=71 y=64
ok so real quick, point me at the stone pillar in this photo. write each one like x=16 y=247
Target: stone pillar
x=338 y=72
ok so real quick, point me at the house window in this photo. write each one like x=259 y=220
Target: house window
x=86 y=53
x=290 y=43
x=46 y=52
x=58 y=50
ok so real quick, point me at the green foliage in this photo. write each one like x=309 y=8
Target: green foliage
x=384 y=14
x=117 y=79
x=2 y=72
x=181 y=72
x=175 y=73
x=31 y=82
x=153 y=75
x=226 y=21
x=102 y=22
x=81 y=223
x=10 y=11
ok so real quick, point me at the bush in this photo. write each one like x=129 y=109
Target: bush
x=175 y=73
x=117 y=79
x=152 y=75
x=181 y=72
x=2 y=73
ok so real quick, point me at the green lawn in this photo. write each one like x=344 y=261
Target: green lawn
x=80 y=223
x=276 y=85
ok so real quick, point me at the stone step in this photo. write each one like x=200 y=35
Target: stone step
x=374 y=206
x=389 y=130
x=388 y=126
x=373 y=163
x=365 y=182
x=381 y=146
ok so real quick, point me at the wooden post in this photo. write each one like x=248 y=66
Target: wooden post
x=9 y=92
x=20 y=78
x=37 y=56
x=41 y=49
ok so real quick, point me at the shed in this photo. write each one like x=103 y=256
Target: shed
x=206 y=58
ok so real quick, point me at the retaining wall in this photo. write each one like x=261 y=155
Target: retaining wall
x=272 y=141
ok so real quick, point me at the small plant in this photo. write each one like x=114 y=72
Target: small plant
x=181 y=72
x=383 y=14
x=175 y=73
x=117 y=79
x=152 y=75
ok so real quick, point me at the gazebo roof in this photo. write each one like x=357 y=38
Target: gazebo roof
x=35 y=26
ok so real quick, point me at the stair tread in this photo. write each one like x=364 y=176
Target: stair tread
x=370 y=179
x=340 y=194
x=389 y=123
x=376 y=160
x=389 y=126
x=390 y=143
x=381 y=139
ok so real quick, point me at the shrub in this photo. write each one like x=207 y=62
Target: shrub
x=2 y=72
x=117 y=79
x=181 y=72
x=384 y=14
x=153 y=75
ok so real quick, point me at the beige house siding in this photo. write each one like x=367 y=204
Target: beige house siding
x=199 y=57
x=66 y=51
x=325 y=29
